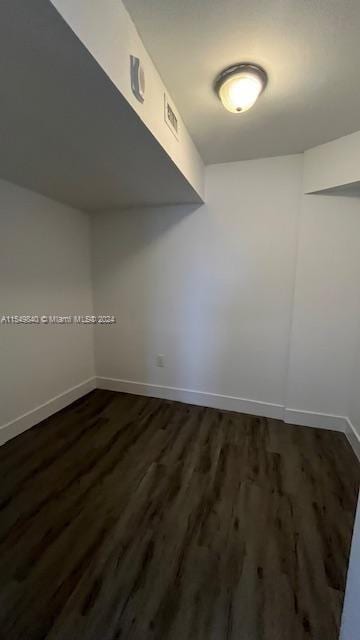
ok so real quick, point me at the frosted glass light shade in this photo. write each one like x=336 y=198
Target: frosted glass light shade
x=240 y=86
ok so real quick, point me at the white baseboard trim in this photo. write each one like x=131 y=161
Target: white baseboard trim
x=201 y=398
x=227 y=403
x=314 y=419
x=354 y=438
x=31 y=418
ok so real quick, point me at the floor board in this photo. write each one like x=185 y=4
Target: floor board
x=136 y=518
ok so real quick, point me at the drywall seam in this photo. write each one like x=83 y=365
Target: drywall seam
x=294 y=284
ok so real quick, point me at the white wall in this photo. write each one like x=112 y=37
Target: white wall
x=214 y=290
x=333 y=164
x=326 y=307
x=355 y=392
x=253 y=296
x=354 y=399
x=350 y=624
x=107 y=31
x=211 y=289
x=44 y=269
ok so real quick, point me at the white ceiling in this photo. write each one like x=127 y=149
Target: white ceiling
x=65 y=130
x=310 y=49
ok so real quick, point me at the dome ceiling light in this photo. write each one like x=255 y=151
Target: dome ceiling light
x=240 y=85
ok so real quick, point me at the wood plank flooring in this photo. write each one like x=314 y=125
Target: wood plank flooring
x=138 y=518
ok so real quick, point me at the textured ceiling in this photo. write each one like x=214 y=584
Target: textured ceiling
x=310 y=49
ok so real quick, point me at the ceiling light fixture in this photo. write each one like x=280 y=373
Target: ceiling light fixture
x=240 y=85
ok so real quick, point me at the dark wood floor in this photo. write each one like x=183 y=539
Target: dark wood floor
x=135 y=518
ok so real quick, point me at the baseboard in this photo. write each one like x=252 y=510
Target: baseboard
x=353 y=437
x=201 y=398
x=228 y=403
x=315 y=419
x=31 y=418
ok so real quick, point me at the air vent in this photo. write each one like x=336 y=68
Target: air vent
x=137 y=79
x=171 y=117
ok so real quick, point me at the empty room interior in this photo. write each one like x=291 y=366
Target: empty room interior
x=179 y=320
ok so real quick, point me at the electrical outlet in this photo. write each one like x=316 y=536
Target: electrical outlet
x=159 y=360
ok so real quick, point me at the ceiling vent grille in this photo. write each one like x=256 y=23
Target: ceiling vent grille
x=171 y=117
